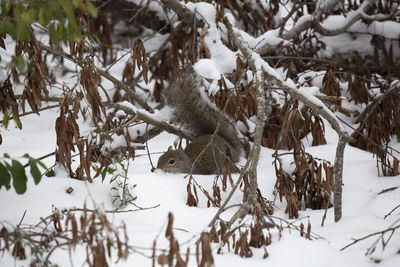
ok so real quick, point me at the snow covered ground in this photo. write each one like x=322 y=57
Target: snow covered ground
x=363 y=207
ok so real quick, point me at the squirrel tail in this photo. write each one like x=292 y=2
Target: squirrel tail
x=194 y=110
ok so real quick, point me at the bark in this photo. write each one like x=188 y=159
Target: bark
x=317 y=107
x=337 y=178
x=260 y=121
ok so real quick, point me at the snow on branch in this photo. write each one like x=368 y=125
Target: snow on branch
x=147 y=114
x=103 y=73
x=255 y=62
x=183 y=12
x=368 y=110
x=149 y=118
x=288 y=86
x=313 y=21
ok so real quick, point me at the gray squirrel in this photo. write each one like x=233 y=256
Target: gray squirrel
x=201 y=117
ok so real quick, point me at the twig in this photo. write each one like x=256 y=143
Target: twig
x=111 y=211
x=46 y=260
x=32 y=112
x=148 y=152
x=23 y=216
x=153 y=121
x=42 y=157
x=398 y=206
x=370 y=108
x=370 y=235
x=103 y=73
x=183 y=12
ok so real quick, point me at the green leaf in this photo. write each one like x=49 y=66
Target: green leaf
x=35 y=170
x=4 y=176
x=6 y=119
x=91 y=9
x=108 y=137
x=5 y=8
x=103 y=174
x=41 y=18
x=50 y=173
x=17 y=11
x=53 y=34
x=16 y=119
x=41 y=164
x=10 y=29
x=63 y=33
x=76 y=3
x=28 y=16
x=23 y=31
x=17 y=62
x=19 y=177
x=70 y=14
x=47 y=11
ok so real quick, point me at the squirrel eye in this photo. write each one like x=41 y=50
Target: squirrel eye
x=171 y=161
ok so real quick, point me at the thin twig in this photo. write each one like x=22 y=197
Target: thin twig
x=32 y=112
x=111 y=211
x=23 y=216
x=370 y=235
x=398 y=206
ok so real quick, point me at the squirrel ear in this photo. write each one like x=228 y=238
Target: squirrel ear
x=170 y=148
x=181 y=153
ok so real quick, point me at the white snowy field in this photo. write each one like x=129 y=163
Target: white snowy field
x=363 y=207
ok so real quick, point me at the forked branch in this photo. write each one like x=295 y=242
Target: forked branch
x=309 y=100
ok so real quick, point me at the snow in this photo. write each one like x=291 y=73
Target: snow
x=363 y=207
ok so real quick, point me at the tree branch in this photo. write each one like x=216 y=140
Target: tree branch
x=103 y=73
x=338 y=177
x=260 y=121
x=390 y=229
x=314 y=20
x=150 y=120
x=186 y=16
x=314 y=104
x=129 y=11
x=363 y=117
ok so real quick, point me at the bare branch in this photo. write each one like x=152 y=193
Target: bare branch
x=368 y=110
x=32 y=112
x=390 y=229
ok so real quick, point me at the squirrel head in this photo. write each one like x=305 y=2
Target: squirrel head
x=174 y=161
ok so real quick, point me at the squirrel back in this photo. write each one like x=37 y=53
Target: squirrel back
x=201 y=117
